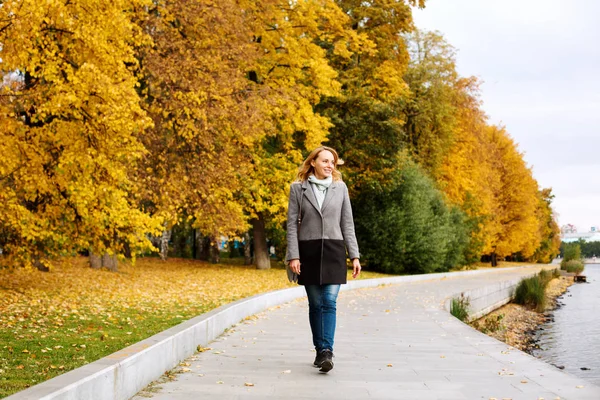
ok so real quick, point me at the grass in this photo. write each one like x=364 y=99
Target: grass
x=460 y=308
x=530 y=292
x=54 y=322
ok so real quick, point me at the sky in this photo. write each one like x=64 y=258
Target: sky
x=539 y=61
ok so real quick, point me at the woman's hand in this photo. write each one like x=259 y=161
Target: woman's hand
x=355 y=267
x=295 y=266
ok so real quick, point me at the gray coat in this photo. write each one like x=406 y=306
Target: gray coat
x=321 y=239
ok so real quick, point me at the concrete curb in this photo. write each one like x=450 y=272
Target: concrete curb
x=124 y=373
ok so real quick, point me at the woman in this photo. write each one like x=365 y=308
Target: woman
x=319 y=230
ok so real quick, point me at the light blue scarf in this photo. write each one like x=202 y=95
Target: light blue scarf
x=320 y=187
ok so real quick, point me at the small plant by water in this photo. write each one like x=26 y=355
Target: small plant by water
x=572 y=261
x=573 y=266
x=460 y=308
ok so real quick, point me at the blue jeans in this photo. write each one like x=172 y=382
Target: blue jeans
x=322 y=313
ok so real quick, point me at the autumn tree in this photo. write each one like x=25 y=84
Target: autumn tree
x=70 y=120
x=367 y=121
x=517 y=200
x=207 y=114
x=549 y=231
x=294 y=75
x=466 y=174
x=430 y=110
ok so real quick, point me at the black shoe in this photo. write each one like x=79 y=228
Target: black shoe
x=327 y=364
x=319 y=358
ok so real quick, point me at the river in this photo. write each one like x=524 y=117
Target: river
x=572 y=340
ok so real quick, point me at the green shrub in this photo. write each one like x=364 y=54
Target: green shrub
x=531 y=293
x=407 y=227
x=575 y=266
x=460 y=308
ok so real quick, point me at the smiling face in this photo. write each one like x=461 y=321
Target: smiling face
x=324 y=164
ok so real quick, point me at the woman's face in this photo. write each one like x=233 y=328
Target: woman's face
x=324 y=164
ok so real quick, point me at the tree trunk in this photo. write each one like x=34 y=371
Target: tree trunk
x=494 y=260
x=261 y=252
x=203 y=249
x=95 y=260
x=213 y=251
x=247 y=249
x=194 y=243
x=106 y=260
x=164 y=244
x=110 y=262
x=40 y=267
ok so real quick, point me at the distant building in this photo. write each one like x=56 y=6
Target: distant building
x=593 y=236
x=568 y=228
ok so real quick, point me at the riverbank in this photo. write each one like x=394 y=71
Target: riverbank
x=515 y=324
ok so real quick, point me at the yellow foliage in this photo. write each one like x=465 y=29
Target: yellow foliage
x=293 y=74
x=206 y=111
x=486 y=175
x=69 y=120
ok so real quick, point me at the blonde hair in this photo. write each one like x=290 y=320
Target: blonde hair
x=306 y=169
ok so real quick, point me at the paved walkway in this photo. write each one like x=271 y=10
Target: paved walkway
x=392 y=342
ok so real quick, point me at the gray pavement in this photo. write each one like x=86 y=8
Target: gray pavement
x=392 y=342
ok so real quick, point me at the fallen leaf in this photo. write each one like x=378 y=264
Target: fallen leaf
x=220 y=382
x=390 y=365
x=248 y=384
x=523 y=381
x=579 y=387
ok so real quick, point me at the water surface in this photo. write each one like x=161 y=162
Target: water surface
x=573 y=339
